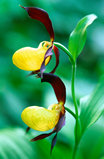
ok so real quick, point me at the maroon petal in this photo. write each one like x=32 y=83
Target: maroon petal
x=28 y=128
x=33 y=73
x=57 y=128
x=53 y=142
x=42 y=136
x=47 y=54
x=57 y=84
x=57 y=54
x=42 y=16
x=60 y=124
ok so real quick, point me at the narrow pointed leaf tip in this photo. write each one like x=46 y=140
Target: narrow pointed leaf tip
x=77 y=38
x=43 y=17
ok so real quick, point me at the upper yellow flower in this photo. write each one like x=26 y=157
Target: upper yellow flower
x=30 y=59
x=35 y=59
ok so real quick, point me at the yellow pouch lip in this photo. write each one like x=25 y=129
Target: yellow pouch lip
x=39 y=118
x=30 y=59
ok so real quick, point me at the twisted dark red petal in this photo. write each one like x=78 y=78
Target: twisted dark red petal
x=54 y=140
x=33 y=73
x=60 y=124
x=57 y=84
x=42 y=16
x=28 y=128
x=47 y=54
x=57 y=54
x=40 y=137
x=57 y=128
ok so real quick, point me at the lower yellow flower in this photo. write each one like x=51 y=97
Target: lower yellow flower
x=30 y=59
x=41 y=119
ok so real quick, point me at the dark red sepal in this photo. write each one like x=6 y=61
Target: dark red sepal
x=42 y=16
x=57 y=84
x=57 y=54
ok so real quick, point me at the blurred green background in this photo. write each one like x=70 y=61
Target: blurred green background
x=17 y=92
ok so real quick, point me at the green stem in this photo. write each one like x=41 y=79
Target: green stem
x=77 y=129
x=73 y=89
x=76 y=109
x=71 y=112
x=75 y=151
x=65 y=50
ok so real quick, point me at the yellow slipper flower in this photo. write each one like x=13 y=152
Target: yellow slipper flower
x=35 y=59
x=42 y=119
x=30 y=59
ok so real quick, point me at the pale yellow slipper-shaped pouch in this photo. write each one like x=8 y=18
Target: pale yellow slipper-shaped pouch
x=30 y=59
x=39 y=118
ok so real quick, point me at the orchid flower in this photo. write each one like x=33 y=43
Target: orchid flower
x=35 y=59
x=42 y=119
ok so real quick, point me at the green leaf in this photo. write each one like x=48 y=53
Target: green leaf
x=92 y=106
x=14 y=143
x=77 y=38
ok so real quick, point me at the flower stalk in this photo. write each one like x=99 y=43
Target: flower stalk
x=77 y=129
x=76 y=109
x=62 y=47
x=71 y=112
